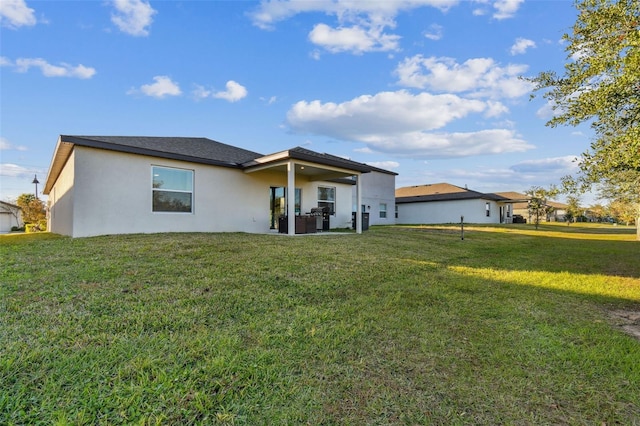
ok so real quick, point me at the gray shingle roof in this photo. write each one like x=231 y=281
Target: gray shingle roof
x=324 y=158
x=191 y=149
x=198 y=150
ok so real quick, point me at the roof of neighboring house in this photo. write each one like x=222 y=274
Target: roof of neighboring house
x=514 y=196
x=440 y=192
x=191 y=149
x=522 y=200
x=6 y=206
x=429 y=189
x=557 y=205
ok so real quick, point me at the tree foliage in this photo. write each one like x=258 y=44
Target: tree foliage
x=622 y=212
x=33 y=209
x=601 y=86
x=573 y=211
x=598 y=212
x=538 y=204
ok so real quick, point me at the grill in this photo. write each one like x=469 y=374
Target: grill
x=322 y=217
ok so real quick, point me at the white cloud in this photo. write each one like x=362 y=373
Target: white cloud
x=384 y=113
x=162 y=88
x=16 y=13
x=450 y=145
x=479 y=12
x=401 y=123
x=551 y=109
x=521 y=45
x=556 y=165
x=546 y=111
x=354 y=39
x=49 y=70
x=269 y=101
x=518 y=177
x=14 y=170
x=495 y=109
x=201 y=92
x=506 y=8
x=479 y=77
x=5 y=145
x=434 y=32
x=361 y=24
x=387 y=165
x=133 y=16
x=271 y=12
x=234 y=92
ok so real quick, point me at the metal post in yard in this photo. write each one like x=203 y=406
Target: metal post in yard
x=462 y=227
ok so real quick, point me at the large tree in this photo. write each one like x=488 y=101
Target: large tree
x=538 y=204
x=601 y=86
x=33 y=210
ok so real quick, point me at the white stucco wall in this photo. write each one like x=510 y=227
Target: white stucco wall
x=378 y=188
x=61 y=200
x=10 y=216
x=474 y=211
x=112 y=194
x=8 y=219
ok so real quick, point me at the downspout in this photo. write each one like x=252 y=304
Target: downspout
x=291 y=198
x=358 y=205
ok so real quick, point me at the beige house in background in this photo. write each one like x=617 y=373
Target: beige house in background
x=521 y=207
x=101 y=185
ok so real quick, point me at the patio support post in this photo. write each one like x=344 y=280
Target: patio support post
x=291 y=197
x=358 y=205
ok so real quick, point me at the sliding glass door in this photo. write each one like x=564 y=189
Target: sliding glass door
x=278 y=204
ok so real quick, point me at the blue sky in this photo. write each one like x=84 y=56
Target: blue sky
x=428 y=89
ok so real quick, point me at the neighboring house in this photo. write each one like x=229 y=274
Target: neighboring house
x=10 y=216
x=446 y=203
x=558 y=212
x=521 y=207
x=117 y=185
x=520 y=203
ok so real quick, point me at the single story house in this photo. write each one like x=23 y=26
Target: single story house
x=101 y=185
x=521 y=207
x=446 y=203
x=10 y=216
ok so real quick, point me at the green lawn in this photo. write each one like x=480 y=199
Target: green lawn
x=399 y=325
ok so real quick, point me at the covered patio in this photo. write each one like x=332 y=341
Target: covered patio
x=298 y=162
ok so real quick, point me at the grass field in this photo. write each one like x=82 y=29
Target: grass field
x=399 y=325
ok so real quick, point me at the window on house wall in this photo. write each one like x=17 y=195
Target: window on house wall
x=172 y=190
x=327 y=198
x=396 y=211
x=383 y=210
x=487 y=207
x=508 y=210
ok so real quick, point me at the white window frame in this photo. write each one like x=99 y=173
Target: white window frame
x=192 y=191
x=383 y=210
x=333 y=202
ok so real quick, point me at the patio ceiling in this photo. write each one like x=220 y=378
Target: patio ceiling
x=312 y=171
x=308 y=163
